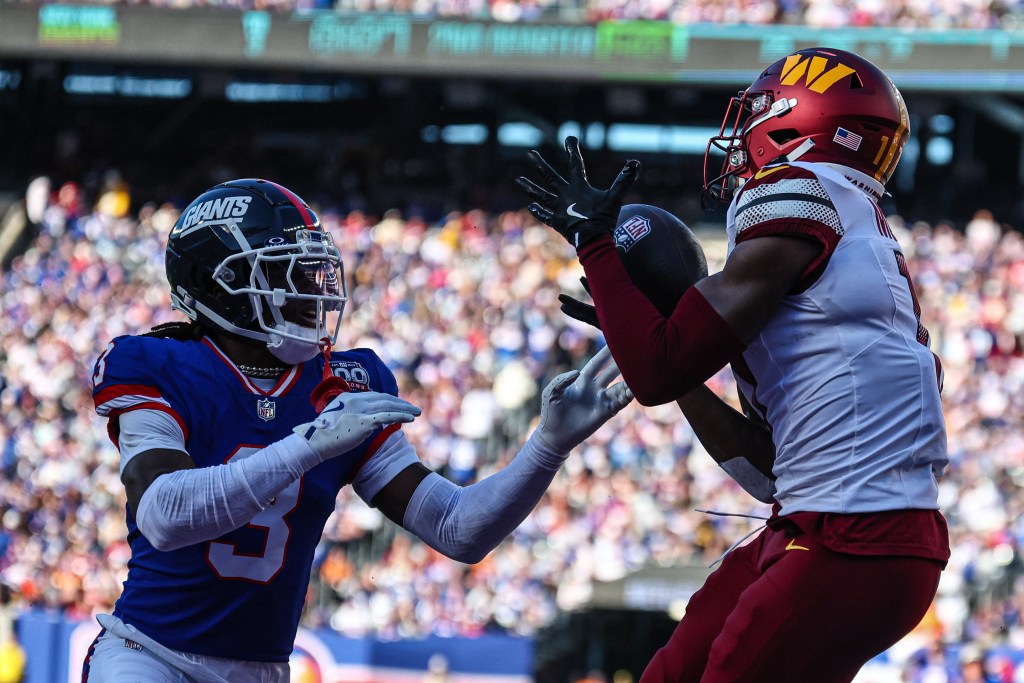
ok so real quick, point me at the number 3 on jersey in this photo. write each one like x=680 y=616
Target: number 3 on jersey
x=230 y=563
x=101 y=366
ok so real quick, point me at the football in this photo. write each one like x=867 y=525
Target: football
x=661 y=254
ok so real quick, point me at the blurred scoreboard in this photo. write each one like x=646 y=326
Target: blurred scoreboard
x=399 y=44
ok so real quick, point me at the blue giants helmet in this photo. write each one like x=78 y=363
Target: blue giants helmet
x=250 y=258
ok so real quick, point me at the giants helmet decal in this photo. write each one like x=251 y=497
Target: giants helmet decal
x=249 y=257
x=817 y=104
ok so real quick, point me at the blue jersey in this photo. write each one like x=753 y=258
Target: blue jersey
x=240 y=595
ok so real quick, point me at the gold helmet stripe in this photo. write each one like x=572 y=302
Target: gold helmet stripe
x=881 y=148
x=890 y=157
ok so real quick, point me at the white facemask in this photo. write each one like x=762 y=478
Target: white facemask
x=290 y=350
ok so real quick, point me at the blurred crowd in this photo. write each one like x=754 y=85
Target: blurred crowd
x=940 y=14
x=465 y=311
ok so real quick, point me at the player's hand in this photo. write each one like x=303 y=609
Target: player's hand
x=351 y=418
x=574 y=308
x=578 y=211
x=584 y=312
x=574 y=404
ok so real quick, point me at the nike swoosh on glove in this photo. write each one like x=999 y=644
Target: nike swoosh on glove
x=350 y=419
x=573 y=207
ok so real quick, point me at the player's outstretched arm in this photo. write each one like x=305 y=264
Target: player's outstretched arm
x=741 y=445
x=466 y=523
x=665 y=358
x=662 y=359
x=177 y=504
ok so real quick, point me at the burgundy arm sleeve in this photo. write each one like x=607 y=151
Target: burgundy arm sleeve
x=660 y=358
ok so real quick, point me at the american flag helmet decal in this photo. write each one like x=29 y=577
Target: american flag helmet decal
x=847 y=139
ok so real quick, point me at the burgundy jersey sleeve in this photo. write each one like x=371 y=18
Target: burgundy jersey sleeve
x=786 y=200
x=660 y=358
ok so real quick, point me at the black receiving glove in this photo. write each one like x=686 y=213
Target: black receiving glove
x=574 y=308
x=578 y=211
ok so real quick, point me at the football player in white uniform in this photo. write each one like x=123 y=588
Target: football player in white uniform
x=816 y=312
x=232 y=453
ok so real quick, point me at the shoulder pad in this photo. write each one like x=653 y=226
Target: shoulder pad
x=784 y=193
x=126 y=374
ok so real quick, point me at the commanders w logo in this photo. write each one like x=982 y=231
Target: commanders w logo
x=816 y=78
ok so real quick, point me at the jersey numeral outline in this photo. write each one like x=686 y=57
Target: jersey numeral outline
x=101 y=366
x=922 y=332
x=901 y=266
x=229 y=563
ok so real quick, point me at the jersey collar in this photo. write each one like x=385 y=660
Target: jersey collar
x=863 y=181
x=283 y=386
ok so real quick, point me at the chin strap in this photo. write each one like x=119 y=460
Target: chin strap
x=331 y=385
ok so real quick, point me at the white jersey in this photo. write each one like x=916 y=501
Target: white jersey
x=842 y=372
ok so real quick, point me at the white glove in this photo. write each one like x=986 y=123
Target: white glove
x=574 y=404
x=350 y=419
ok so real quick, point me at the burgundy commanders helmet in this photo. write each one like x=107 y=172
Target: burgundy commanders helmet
x=817 y=104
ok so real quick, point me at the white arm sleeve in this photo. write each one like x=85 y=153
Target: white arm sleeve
x=466 y=523
x=190 y=506
x=751 y=479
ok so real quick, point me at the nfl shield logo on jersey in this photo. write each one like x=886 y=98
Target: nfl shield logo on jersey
x=266 y=409
x=631 y=231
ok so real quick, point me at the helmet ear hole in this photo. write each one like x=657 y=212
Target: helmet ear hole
x=783 y=135
x=204 y=278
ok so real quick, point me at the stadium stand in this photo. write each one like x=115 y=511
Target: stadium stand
x=464 y=310
x=965 y=14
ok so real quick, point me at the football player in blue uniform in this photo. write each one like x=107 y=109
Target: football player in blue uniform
x=231 y=471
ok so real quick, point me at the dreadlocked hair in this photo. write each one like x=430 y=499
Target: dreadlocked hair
x=181 y=331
